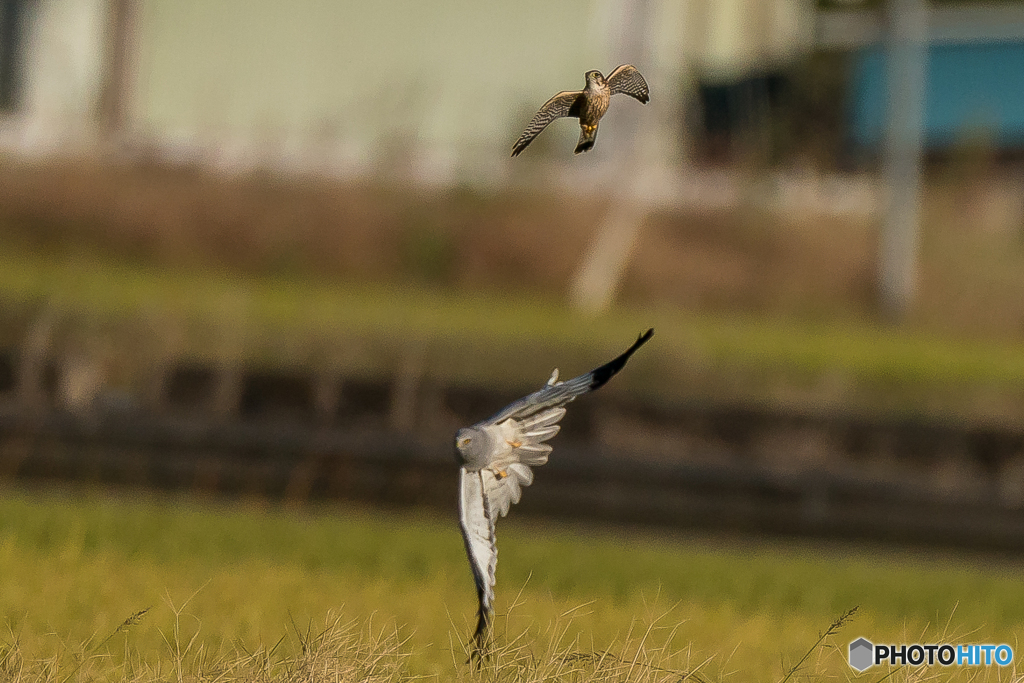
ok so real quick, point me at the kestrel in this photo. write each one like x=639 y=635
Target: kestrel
x=495 y=458
x=588 y=105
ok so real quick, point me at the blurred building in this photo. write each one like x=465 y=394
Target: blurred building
x=347 y=85
x=443 y=89
x=52 y=70
x=975 y=74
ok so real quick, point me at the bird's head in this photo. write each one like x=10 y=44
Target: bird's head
x=464 y=438
x=468 y=442
x=474 y=447
x=594 y=77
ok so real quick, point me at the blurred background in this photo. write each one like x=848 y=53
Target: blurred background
x=279 y=250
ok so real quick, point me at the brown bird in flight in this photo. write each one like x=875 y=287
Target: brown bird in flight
x=588 y=105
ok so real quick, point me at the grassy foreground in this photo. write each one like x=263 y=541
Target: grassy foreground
x=98 y=587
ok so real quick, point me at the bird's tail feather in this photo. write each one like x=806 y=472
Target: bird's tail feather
x=587 y=139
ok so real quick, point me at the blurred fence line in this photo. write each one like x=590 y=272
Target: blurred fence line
x=386 y=440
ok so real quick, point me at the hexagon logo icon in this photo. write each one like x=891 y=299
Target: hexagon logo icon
x=862 y=654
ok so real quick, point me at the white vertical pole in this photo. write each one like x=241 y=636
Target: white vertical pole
x=907 y=54
x=118 y=43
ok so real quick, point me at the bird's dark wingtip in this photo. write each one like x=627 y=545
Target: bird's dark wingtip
x=520 y=145
x=480 y=651
x=604 y=373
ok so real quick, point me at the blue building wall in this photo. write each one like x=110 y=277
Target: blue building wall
x=973 y=89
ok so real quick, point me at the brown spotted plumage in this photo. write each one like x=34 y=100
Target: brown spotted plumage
x=588 y=105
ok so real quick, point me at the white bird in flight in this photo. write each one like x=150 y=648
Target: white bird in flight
x=495 y=458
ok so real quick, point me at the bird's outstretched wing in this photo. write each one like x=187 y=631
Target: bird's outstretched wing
x=560 y=393
x=628 y=81
x=483 y=496
x=566 y=103
x=478 y=533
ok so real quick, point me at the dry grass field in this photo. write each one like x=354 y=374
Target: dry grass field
x=104 y=587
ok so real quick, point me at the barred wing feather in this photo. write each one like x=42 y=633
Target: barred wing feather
x=628 y=81
x=566 y=103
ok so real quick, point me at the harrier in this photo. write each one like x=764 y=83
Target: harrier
x=496 y=455
x=588 y=105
